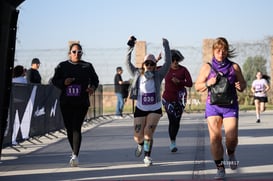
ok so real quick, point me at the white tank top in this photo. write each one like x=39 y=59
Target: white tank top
x=259 y=86
x=146 y=99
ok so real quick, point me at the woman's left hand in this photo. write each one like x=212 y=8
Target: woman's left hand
x=238 y=85
x=175 y=80
x=90 y=90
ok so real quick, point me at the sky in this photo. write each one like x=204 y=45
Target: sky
x=50 y=24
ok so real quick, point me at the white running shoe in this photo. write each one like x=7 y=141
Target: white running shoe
x=221 y=173
x=74 y=161
x=147 y=161
x=139 y=150
x=118 y=117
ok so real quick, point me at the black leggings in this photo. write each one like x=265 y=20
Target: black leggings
x=73 y=119
x=174 y=111
x=174 y=124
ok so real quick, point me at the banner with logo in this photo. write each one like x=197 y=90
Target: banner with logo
x=34 y=111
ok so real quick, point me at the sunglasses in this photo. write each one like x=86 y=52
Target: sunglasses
x=76 y=51
x=149 y=63
x=175 y=60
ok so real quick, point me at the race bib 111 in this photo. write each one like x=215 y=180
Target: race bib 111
x=73 y=90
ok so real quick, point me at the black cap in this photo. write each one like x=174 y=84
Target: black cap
x=35 y=61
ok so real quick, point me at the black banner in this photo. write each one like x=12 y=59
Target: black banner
x=34 y=111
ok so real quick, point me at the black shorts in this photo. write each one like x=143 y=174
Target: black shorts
x=140 y=113
x=261 y=99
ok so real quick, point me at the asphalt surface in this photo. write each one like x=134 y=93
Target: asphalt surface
x=107 y=153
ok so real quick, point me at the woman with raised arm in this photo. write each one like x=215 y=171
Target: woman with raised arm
x=146 y=91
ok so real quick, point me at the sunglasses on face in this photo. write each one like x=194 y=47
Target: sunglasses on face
x=76 y=51
x=174 y=60
x=149 y=63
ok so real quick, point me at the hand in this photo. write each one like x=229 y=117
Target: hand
x=132 y=41
x=165 y=42
x=175 y=80
x=211 y=81
x=90 y=90
x=159 y=57
x=68 y=81
x=238 y=86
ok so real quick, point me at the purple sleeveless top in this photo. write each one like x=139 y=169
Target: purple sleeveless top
x=227 y=69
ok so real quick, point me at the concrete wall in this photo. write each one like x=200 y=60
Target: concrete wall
x=140 y=52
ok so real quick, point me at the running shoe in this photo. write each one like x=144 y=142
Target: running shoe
x=221 y=173
x=233 y=163
x=138 y=150
x=118 y=117
x=173 y=147
x=74 y=161
x=147 y=161
x=258 y=121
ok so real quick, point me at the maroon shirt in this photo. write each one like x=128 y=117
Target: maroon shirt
x=171 y=92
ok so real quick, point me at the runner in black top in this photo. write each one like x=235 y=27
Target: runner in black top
x=77 y=80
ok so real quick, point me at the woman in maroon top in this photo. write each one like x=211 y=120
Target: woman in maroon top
x=175 y=95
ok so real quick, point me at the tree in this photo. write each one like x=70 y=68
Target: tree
x=251 y=66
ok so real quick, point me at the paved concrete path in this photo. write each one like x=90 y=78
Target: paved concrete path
x=107 y=153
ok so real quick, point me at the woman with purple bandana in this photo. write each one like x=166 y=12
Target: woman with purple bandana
x=218 y=116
